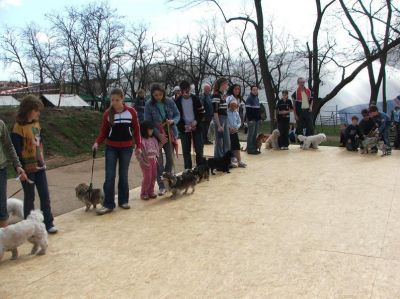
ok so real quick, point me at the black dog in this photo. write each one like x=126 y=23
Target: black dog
x=177 y=183
x=220 y=164
x=202 y=171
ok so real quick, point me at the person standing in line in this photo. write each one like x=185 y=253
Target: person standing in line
x=220 y=108
x=253 y=118
x=208 y=108
x=120 y=130
x=139 y=103
x=302 y=103
x=282 y=115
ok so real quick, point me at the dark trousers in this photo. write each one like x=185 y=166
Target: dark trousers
x=123 y=156
x=169 y=160
x=353 y=145
x=397 y=135
x=283 y=127
x=305 y=123
x=3 y=194
x=186 y=139
x=39 y=179
x=205 y=128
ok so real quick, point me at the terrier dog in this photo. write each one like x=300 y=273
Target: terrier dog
x=202 y=171
x=261 y=138
x=15 y=209
x=95 y=197
x=272 y=141
x=313 y=141
x=32 y=229
x=371 y=141
x=220 y=164
x=175 y=184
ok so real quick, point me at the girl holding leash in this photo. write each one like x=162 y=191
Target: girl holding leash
x=119 y=129
x=28 y=144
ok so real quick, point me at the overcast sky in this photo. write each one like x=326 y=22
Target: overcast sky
x=165 y=20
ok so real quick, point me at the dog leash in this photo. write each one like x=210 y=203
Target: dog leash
x=91 y=177
x=15 y=193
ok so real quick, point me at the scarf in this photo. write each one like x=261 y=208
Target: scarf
x=299 y=97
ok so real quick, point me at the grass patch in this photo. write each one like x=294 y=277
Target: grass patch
x=67 y=133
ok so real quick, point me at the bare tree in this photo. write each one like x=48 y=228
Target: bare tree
x=12 y=52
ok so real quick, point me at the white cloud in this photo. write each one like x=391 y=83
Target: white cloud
x=9 y=3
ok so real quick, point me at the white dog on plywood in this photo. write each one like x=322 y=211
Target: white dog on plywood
x=15 y=209
x=32 y=229
x=272 y=141
x=313 y=141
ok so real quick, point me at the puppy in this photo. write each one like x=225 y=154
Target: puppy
x=368 y=144
x=272 y=141
x=261 y=138
x=313 y=141
x=15 y=209
x=95 y=197
x=32 y=229
x=202 y=171
x=175 y=184
x=221 y=164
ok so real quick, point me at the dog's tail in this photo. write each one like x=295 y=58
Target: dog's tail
x=36 y=215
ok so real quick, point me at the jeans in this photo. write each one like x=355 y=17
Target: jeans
x=385 y=136
x=186 y=139
x=149 y=177
x=3 y=194
x=252 y=136
x=353 y=145
x=305 y=123
x=283 y=127
x=168 y=164
x=39 y=179
x=397 y=135
x=222 y=140
x=113 y=155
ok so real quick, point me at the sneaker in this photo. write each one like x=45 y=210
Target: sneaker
x=144 y=197
x=208 y=142
x=162 y=192
x=103 y=211
x=242 y=164
x=125 y=206
x=152 y=196
x=52 y=230
x=233 y=165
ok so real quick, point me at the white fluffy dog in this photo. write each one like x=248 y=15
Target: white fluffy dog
x=313 y=141
x=272 y=141
x=15 y=209
x=32 y=229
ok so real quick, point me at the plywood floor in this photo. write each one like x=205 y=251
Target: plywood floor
x=294 y=224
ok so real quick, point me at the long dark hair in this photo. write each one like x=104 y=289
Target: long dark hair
x=157 y=87
x=28 y=104
x=219 y=83
x=230 y=91
x=144 y=127
x=111 y=111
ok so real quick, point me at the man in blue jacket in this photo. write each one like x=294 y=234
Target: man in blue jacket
x=383 y=123
x=209 y=113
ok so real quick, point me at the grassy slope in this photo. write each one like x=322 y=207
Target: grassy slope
x=67 y=133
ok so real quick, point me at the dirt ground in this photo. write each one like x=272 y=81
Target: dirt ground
x=294 y=224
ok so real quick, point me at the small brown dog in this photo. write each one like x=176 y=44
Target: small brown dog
x=95 y=197
x=261 y=138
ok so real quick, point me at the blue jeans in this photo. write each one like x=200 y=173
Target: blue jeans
x=40 y=181
x=222 y=140
x=168 y=164
x=385 y=136
x=3 y=194
x=113 y=155
x=252 y=136
x=186 y=139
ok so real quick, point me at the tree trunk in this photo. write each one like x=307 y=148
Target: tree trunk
x=265 y=72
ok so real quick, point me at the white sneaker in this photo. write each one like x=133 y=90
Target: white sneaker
x=242 y=164
x=52 y=230
x=103 y=211
x=162 y=192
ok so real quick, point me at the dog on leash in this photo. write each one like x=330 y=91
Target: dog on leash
x=32 y=229
x=177 y=183
x=272 y=141
x=220 y=164
x=202 y=171
x=15 y=210
x=95 y=197
x=313 y=141
x=261 y=138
